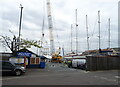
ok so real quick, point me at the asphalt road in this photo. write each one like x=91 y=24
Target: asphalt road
x=58 y=74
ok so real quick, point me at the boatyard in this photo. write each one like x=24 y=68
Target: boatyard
x=57 y=42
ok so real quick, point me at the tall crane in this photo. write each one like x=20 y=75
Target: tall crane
x=50 y=25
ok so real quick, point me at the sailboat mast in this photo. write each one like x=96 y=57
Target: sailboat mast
x=99 y=28
x=42 y=33
x=71 y=37
x=42 y=37
x=109 y=33
x=76 y=33
x=87 y=33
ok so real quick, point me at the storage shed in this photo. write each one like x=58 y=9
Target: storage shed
x=32 y=59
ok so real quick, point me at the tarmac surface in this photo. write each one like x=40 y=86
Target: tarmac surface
x=59 y=74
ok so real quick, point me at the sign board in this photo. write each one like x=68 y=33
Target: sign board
x=22 y=54
x=18 y=61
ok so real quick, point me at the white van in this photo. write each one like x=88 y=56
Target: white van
x=79 y=63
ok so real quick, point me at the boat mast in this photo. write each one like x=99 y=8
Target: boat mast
x=109 y=33
x=76 y=33
x=71 y=37
x=87 y=33
x=20 y=25
x=99 y=29
x=42 y=38
x=42 y=33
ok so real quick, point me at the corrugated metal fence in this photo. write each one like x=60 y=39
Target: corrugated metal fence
x=102 y=63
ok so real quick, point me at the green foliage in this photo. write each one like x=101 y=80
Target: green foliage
x=24 y=43
x=29 y=43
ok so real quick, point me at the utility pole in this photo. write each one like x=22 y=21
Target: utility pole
x=109 y=33
x=52 y=49
x=76 y=33
x=99 y=29
x=87 y=33
x=20 y=26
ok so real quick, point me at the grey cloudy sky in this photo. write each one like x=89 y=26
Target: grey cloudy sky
x=63 y=13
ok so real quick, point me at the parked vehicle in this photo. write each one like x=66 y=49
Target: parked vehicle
x=79 y=63
x=10 y=68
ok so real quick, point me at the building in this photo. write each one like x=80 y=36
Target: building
x=27 y=58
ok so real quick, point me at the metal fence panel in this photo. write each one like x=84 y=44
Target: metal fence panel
x=102 y=63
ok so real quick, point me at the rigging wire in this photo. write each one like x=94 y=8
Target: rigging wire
x=42 y=35
x=94 y=27
x=55 y=30
x=103 y=38
x=92 y=33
